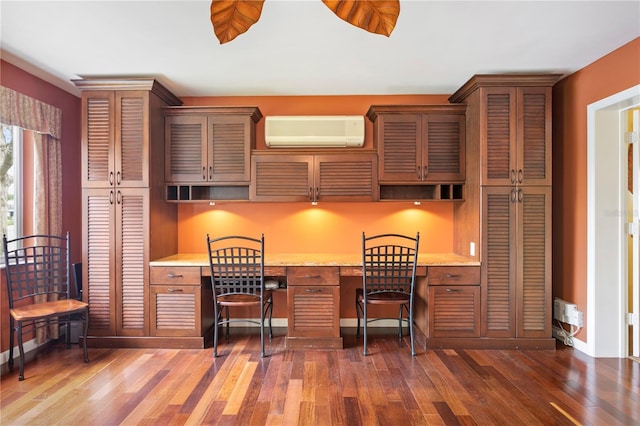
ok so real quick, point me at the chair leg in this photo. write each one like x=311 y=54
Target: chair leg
x=400 y=322
x=216 y=315
x=358 y=311
x=21 y=349
x=413 y=350
x=226 y=310
x=85 y=329
x=364 y=328
x=262 y=333
x=270 y=308
x=67 y=334
x=11 y=334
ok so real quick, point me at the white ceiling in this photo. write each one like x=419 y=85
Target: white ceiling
x=302 y=48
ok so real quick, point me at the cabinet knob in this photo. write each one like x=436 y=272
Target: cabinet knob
x=453 y=290
x=513 y=176
x=418 y=172
x=452 y=275
x=110 y=178
x=520 y=175
x=313 y=290
x=174 y=290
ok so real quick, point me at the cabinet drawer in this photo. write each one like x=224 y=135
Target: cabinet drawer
x=454 y=275
x=454 y=311
x=313 y=311
x=180 y=275
x=313 y=275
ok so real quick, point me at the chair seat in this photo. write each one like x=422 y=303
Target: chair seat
x=382 y=298
x=48 y=309
x=242 y=299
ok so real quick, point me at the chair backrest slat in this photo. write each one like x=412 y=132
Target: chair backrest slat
x=389 y=262
x=37 y=265
x=237 y=264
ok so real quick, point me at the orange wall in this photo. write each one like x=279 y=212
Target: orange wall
x=25 y=83
x=611 y=74
x=327 y=227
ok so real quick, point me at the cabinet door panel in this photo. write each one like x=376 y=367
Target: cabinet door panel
x=534 y=135
x=346 y=178
x=132 y=139
x=132 y=261
x=281 y=178
x=229 y=149
x=534 y=263
x=498 y=142
x=499 y=261
x=444 y=154
x=186 y=148
x=99 y=259
x=400 y=147
x=98 y=127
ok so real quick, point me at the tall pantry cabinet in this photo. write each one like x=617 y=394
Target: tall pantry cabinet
x=508 y=201
x=123 y=200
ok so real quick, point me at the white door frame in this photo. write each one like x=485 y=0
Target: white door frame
x=606 y=227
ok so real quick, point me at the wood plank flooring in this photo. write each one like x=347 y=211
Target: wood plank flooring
x=321 y=387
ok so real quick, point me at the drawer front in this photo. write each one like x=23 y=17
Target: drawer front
x=454 y=311
x=175 y=310
x=454 y=275
x=313 y=275
x=313 y=311
x=180 y=275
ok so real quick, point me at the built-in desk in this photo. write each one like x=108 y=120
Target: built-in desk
x=181 y=304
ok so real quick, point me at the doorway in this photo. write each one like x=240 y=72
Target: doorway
x=608 y=261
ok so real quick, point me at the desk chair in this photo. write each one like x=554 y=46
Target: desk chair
x=237 y=279
x=37 y=268
x=388 y=278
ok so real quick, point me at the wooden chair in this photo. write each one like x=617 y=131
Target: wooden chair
x=237 y=279
x=388 y=278
x=37 y=268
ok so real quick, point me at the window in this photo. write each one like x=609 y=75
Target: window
x=10 y=182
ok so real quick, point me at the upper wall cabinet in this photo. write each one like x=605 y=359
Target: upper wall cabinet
x=516 y=139
x=419 y=143
x=209 y=144
x=314 y=177
x=115 y=135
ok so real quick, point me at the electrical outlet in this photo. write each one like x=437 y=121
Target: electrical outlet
x=472 y=249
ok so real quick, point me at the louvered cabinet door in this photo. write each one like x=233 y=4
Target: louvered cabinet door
x=499 y=261
x=98 y=135
x=534 y=262
x=132 y=139
x=99 y=275
x=346 y=177
x=399 y=147
x=186 y=149
x=229 y=148
x=131 y=261
x=281 y=178
x=498 y=140
x=534 y=136
x=454 y=311
x=444 y=154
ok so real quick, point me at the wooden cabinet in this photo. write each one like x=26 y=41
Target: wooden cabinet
x=313 y=297
x=123 y=154
x=181 y=305
x=516 y=277
x=454 y=301
x=209 y=144
x=508 y=203
x=516 y=141
x=419 y=143
x=314 y=177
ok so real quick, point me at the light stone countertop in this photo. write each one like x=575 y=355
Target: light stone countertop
x=316 y=259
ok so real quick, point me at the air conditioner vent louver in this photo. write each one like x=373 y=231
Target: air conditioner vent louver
x=303 y=131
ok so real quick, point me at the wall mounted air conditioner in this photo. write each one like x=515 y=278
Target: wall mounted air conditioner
x=322 y=131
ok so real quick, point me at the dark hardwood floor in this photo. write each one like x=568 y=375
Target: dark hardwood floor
x=321 y=387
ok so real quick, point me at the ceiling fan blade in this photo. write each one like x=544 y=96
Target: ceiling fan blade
x=231 y=18
x=377 y=17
